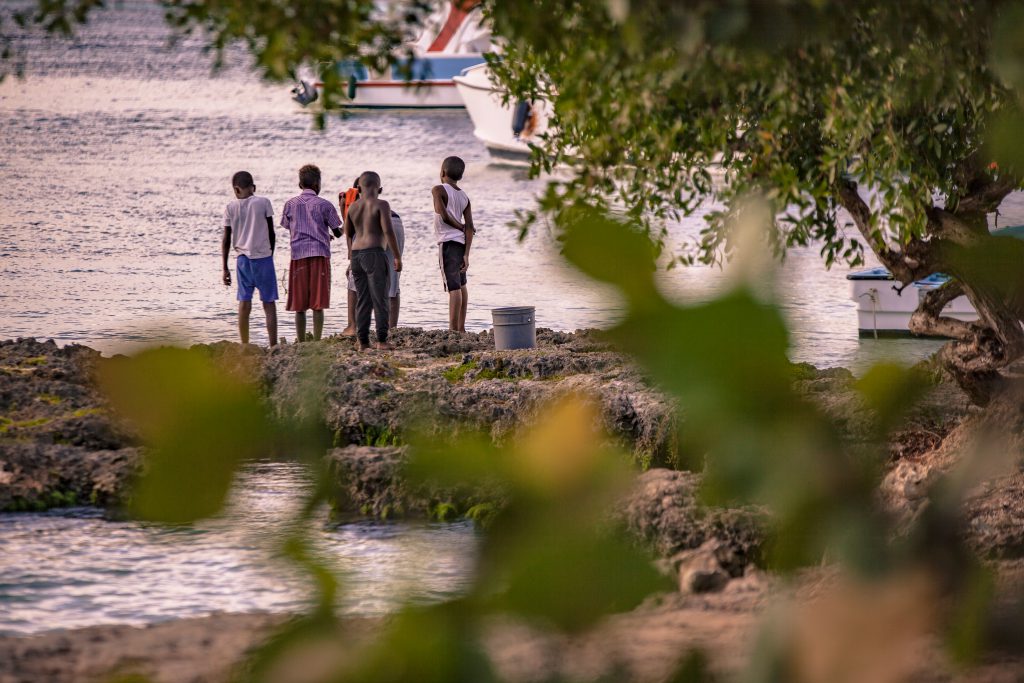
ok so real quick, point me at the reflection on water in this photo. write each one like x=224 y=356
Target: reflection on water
x=70 y=568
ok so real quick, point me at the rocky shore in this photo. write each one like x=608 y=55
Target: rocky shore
x=60 y=445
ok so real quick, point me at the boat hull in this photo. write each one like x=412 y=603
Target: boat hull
x=401 y=95
x=884 y=311
x=493 y=118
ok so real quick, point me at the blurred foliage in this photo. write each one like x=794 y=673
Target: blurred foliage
x=199 y=425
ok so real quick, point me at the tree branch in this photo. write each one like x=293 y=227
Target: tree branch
x=906 y=266
x=928 y=318
x=987 y=198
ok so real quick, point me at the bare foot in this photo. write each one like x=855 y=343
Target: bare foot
x=364 y=348
x=348 y=332
x=384 y=346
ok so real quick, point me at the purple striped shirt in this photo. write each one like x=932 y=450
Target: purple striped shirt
x=308 y=218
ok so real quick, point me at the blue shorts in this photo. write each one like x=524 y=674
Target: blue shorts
x=256 y=274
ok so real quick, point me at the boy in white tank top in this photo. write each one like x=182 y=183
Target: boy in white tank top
x=453 y=228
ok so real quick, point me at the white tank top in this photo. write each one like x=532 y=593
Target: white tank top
x=457 y=202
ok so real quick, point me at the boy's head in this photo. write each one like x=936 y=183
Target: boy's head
x=453 y=168
x=309 y=178
x=369 y=183
x=243 y=184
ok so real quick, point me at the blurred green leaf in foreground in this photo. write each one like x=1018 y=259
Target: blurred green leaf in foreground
x=198 y=421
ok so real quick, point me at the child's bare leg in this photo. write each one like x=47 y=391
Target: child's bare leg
x=462 y=309
x=454 y=309
x=318 y=324
x=300 y=326
x=244 y=309
x=270 y=310
x=350 y=329
x=395 y=303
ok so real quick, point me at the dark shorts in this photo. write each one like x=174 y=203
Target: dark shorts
x=256 y=274
x=309 y=284
x=450 y=255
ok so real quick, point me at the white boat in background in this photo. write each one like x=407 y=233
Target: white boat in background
x=506 y=129
x=454 y=38
x=883 y=310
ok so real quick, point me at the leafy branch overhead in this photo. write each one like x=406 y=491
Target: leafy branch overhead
x=845 y=117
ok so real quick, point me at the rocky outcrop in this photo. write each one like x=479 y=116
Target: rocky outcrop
x=59 y=444
x=37 y=476
x=373 y=483
x=447 y=382
x=705 y=546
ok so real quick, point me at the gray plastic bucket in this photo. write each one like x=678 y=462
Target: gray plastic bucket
x=514 y=328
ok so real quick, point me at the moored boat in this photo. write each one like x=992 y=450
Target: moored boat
x=453 y=39
x=507 y=128
x=884 y=308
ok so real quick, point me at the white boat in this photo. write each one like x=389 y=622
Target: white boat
x=883 y=310
x=505 y=128
x=453 y=39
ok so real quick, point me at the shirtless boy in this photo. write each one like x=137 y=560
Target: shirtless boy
x=368 y=228
x=453 y=228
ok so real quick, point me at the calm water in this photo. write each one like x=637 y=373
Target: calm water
x=69 y=568
x=115 y=158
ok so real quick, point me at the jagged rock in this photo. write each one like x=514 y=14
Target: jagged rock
x=36 y=476
x=663 y=510
x=996 y=517
x=700 y=570
x=374 y=484
x=48 y=394
x=372 y=480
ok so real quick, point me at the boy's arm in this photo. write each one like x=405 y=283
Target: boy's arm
x=389 y=234
x=225 y=247
x=333 y=221
x=441 y=208
x=268 y=212
x=350 y=232
x=467 y=215
x=284 y=218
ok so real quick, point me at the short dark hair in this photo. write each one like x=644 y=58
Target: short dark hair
x=309 y=175
x=370 y=178
x=242 y=179
x=453 y=167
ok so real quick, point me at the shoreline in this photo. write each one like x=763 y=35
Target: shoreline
x=60 y=445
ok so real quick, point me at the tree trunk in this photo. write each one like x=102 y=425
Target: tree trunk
x=988 y=270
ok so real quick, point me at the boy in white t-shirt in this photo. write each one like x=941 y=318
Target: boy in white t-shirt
x=249 y=228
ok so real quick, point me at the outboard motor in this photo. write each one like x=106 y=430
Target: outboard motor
x=520 y=117
x=304 y=93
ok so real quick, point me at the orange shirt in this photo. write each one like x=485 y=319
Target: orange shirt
x=347 y=199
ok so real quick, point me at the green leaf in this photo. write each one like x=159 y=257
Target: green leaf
x=891 y=391
x=610 y=251
x=568 y=576
x=197 y=422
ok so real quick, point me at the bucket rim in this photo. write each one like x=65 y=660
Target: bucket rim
x=512 y=309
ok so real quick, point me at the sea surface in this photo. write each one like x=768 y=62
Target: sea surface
x=116 y=153
x=71 y=567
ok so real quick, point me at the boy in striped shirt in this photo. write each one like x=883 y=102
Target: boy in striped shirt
x=310 y=220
